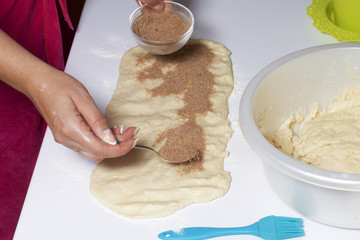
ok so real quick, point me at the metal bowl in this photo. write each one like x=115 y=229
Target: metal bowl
x=313 y=75
x=165 y=47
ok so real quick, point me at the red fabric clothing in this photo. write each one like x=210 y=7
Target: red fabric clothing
x=35 y=25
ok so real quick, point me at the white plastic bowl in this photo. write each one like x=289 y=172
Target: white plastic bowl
x=316 y=74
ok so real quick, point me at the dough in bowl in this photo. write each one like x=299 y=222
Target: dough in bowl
x=328 y=137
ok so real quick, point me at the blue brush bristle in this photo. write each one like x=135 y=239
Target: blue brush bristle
x=288 y=227
x=275 y=228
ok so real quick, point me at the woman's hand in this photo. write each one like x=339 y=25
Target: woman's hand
x=74 y=118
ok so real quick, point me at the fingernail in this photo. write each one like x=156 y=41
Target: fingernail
x=135 y=142
x=122 y=129
x=158 y=7
x=109 y=137
x=136 y=131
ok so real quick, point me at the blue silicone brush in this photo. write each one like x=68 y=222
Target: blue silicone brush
x=269 y=228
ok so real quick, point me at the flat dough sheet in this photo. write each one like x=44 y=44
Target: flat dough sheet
x=140 y=185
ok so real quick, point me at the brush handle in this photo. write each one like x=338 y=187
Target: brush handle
x=197 y=233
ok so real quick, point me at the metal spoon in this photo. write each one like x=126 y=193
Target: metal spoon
x=151 y=149
x=143 y=147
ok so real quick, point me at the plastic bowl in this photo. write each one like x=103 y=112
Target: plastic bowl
x=313 y=75
x=347 y=14
x=166 y=47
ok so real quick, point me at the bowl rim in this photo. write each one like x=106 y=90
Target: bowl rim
x=159 y=43
x=274 y=157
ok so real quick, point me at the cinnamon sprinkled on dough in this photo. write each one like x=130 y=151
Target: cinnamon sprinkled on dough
x=188 y=137
x=159 y=26
x=189 y=75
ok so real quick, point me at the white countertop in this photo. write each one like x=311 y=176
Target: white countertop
x=58 y=204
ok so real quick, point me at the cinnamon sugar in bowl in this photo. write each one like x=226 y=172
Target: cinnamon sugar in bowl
x=162 y=33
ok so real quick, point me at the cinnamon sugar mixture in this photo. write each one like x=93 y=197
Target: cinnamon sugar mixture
x=189 y=75
x=159 y=26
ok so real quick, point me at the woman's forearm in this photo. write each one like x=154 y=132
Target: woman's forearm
x=18 y=67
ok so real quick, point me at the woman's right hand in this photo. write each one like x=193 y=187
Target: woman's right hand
x=74 y=118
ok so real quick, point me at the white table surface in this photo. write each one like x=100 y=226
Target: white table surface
x=58 y=204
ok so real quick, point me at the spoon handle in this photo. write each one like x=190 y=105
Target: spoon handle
x=144 y=147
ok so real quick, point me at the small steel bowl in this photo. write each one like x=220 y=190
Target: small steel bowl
x=300 y=79
x=165 y=47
